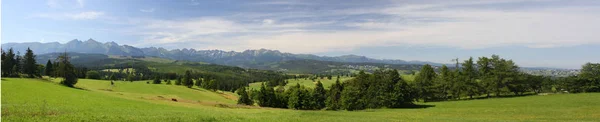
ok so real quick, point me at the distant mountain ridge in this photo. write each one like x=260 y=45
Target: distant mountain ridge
x=246 y=59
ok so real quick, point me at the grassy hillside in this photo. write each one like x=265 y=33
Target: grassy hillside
x=37 y=100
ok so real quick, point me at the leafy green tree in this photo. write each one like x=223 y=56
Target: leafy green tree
x=66 y=70
x=404 y=94
x=335 y=94
x=319 y=95
x=49 y=71
x=29 y=64
x=485 y=75
x=266 y=96
x=589 y=78
x=244 y=99
x=296 y=97
x=470 y=76
x=424 y=82
x=444 y=83
x=351 y=99
x=92 y=75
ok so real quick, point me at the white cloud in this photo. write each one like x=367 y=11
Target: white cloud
x=406 y=24
x=88 y=15
x=85 y=15
x=147 y=10
x=65 y=3
x=268 y=21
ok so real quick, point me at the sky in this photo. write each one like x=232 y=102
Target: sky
x=533 y=33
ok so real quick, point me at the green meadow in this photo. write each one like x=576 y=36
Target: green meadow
x=305 y=82
x=97 y=100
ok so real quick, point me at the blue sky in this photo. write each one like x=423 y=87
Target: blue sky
x=534 y=33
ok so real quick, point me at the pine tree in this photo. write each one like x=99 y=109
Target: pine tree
x=470 y=73
x=266 y=96
x=18 y=65
x=244 y=99
x=335 y=92
x=424 y=82
x=30 y=66
x=295 y=97
x=8 y=63
x=351 y=99
x=66 y=70
x=187 y=79
x=49 y=69
x=319 y=95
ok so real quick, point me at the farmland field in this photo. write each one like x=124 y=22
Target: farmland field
x=95 y=100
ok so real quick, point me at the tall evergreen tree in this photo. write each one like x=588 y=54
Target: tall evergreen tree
x=8 y=63
x=187 y=79
x=335 y=94
x=66 y=70
x=244 y=99
x=319 y=95
x=29 y=64
x=49 y=69
x=4 y=59
x=470 y=77
x=18 y=64
x=266 y=96
x=296 y=97
x=444 y=83
x=351 y=98
x=424 y=82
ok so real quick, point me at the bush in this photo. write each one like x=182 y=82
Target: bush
x=92 y=75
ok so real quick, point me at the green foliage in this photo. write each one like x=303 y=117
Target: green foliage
x=66 y=70
x=49 y=71
x=244 y=99
x=156 y=80
x=319 y=95
x=333 y=101
x=178 y=81
x=187 y=79
x=424 y=83
x=93 y=75
x=29 y=64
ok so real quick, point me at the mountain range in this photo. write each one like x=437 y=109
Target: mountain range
x=245 y=59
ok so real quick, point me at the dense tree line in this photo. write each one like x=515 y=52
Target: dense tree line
x=487 y=77
x=13 y=65
x=383 y=88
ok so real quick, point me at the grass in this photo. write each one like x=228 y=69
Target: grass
x=305 y=82
x=38 y=100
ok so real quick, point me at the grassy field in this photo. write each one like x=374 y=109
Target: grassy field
x=306 y=82
x=38 y=100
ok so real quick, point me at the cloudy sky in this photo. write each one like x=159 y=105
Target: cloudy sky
x=534 y=33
